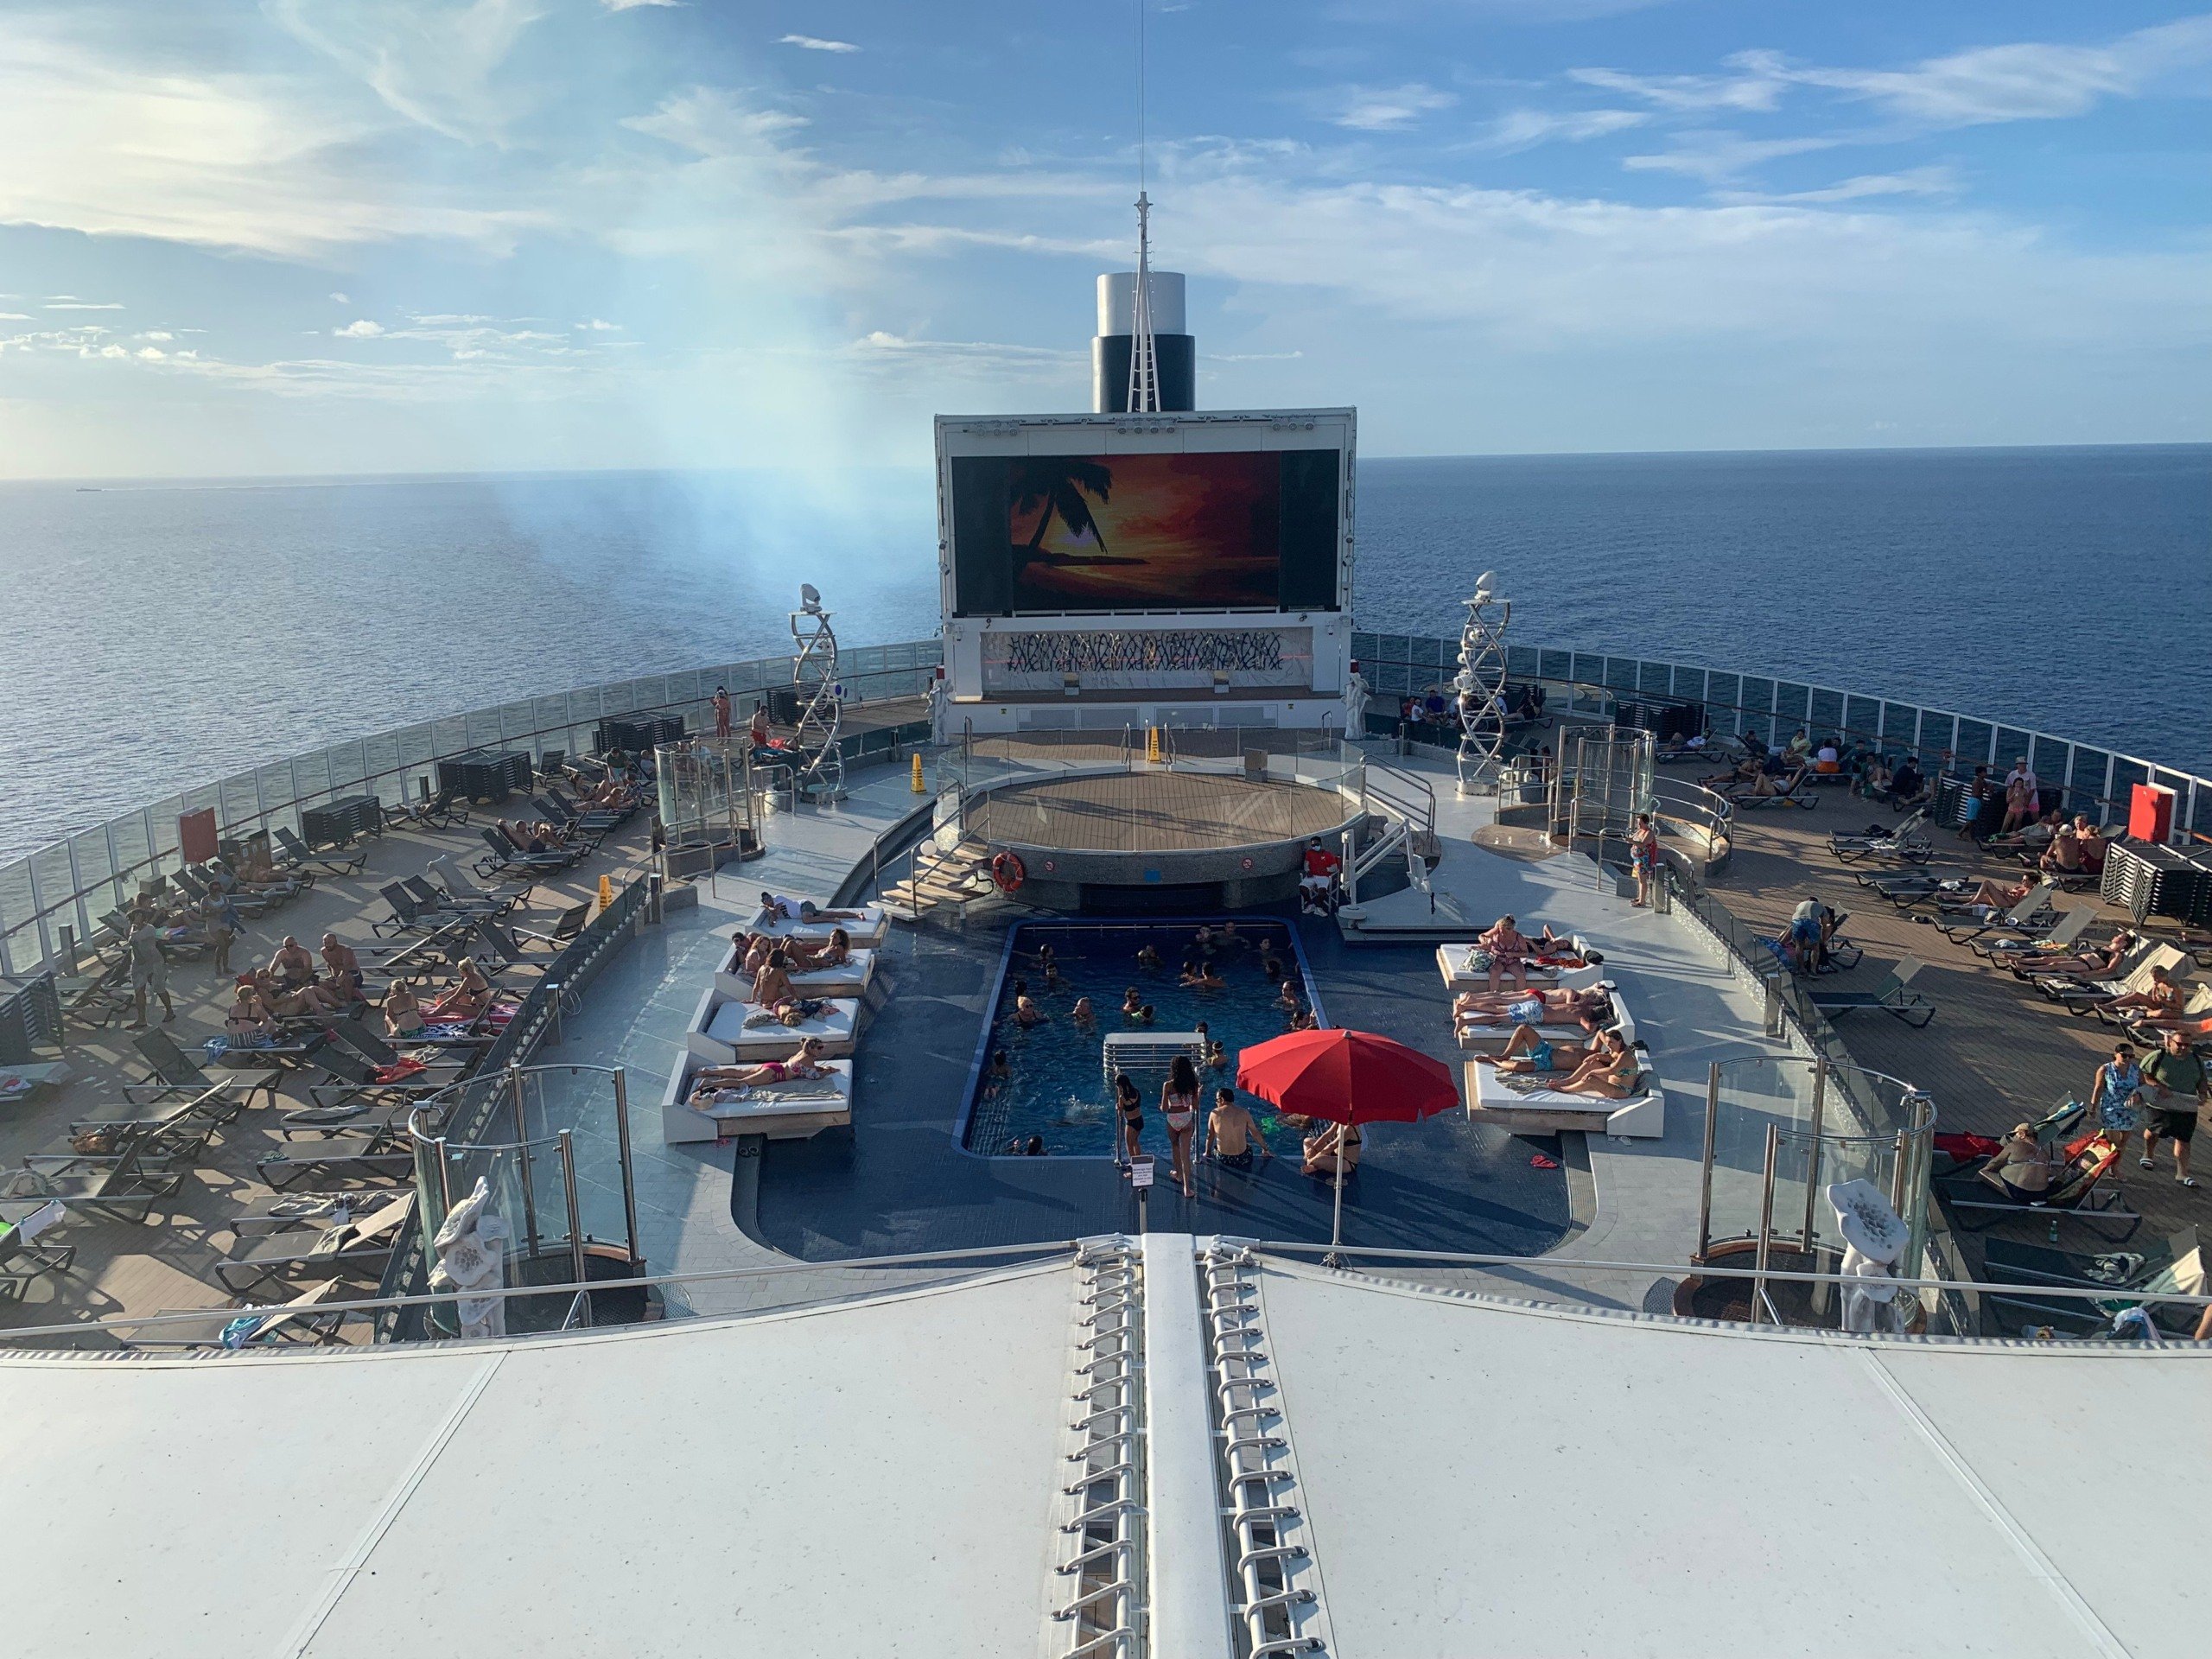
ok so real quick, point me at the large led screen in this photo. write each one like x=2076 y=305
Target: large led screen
x=1243 y=531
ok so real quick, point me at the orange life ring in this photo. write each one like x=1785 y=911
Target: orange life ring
x=1008 y=871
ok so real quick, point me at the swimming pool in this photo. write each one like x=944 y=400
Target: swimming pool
x=1056 y=1086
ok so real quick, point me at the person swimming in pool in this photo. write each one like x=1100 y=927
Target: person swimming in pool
x=1131 y=1003
x=1148 y=956
x=1027 y=1014
x=1082 y=1014
x=1286 y=998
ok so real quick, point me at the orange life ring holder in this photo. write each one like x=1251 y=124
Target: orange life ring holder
x=1007 y=870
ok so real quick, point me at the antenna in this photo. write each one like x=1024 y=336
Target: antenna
x=1144 y=359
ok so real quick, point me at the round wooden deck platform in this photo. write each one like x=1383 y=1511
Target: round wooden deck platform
x=1156 y=812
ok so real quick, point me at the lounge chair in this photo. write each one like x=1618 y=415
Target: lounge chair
x=354 y=1245
x=355 y=1033
x=2030 y=919
x=298 y=855
x=2176 y=1266
x=381 y=1154
x=1978 y=1201
x=1894 y=996
x=2082 y=996
x=247 y=904
x=505 y=858
x=182 y=945
x=216 y=1107
x=175 y=1072
x=95 y=998
x=1798 y=792
x=566 y=925
x=298 y=1321
x=1906 y=887
x=24 y=1260
x=433 y=900
x=352 y=1077
x=2066 y=926
x=1908 y=841
x=2195 y=1007
x=466 y=889
x=124 y=1185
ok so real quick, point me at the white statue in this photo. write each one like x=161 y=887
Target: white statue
x=1356 y=697
x=1874 y=1236
x=472 y=1255
x=940 y=710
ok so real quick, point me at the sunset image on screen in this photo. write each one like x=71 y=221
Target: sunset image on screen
x=1144 y=531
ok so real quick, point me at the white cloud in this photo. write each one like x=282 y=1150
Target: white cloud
x=1931 y=181
x=638 y=5
x=360 y=328
x=163 y=334
x=1756 y=88
x=1716 y=156
x=65 y=304
x=101 y=144
x=815 y=43
x=436 y=64
x=1519 y=129
x=152 y=353
x=1384 y=109
x=341 y=298
x=598 y=325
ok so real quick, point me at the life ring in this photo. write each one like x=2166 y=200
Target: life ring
x=1008 y=871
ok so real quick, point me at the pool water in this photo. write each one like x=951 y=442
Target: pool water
x=1056 y=1086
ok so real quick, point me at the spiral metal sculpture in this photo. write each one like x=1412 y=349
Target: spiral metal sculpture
x=821 y=775
x=1480 y=684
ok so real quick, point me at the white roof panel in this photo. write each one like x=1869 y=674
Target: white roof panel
x=1483 y=1478
x=873 y=1476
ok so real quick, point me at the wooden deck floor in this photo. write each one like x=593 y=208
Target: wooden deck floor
x=169 y=1263
x=1996 y=1052
x=1155 y=813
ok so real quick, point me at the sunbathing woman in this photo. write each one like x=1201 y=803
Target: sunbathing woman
x=772 y=984
x=2091 y=964
x=1742 y=772
x=713 y=1084
x=2159 y=1002
x=2021 y=1167
x=466 y=1001
x=1768 y=783
x=1608 y=1073
x=249 y=1023
x=1988 y=896
x=309 y=1001
x=403 y=1015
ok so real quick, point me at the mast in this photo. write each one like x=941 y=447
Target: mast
x=1144 y=357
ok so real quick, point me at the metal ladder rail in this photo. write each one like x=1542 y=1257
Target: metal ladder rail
x=1103 y=1542
x=1271 y=1603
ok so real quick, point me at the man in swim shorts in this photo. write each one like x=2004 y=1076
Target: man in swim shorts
x=1232 y=1138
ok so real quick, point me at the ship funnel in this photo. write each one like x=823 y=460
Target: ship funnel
x=1175 y=352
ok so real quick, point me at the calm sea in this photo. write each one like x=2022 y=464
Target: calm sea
x=160 y=636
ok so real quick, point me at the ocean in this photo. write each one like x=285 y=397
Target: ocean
x=162 y=635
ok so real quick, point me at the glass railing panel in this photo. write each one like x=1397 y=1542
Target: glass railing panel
x=1588 y=670
x=52 y=884
x=1524 y=662
x=1394 y=678
x=349 y=768
x=1825 y=715
x=311 y=776
x=449 y=736
x=240 y=802
x=517 y=722
x=1900 y=724
x=414 y=745
x=1556 y=664
x=686 y=688
x=1395 y=648
x=1436 y=652
x=1724 y=690
x=157 y=824
x=547 y=716
x=93 y=873
x=1793 y=702
x=619 y=698
x=1688 y=682
x=2050 y=757
x=584 y=707
x=2126 y=774
x=1620 y=674
x=484 y=729
x=2090 y=781
x=1759 y=694
x=745 y=676
x=1939 y=736
x=1654 y=679
x=273 y=785
x=2011 y=744
x=1862 y=717
x=1976 y=740
x=131 y=843
x=1367 y=647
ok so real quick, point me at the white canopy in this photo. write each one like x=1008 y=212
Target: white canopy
x=1484 y=1478
x=872 y=1478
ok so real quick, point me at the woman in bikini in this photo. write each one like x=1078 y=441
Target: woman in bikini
x=772 y=984
x=467 y=1000
x=403 y=1015
x=1642 y=857
x=1510 y=951
x=1128 y=1104
x=710 y=1082
x=1609 y=1072
x=1179 y=1104
x=1333 y=1148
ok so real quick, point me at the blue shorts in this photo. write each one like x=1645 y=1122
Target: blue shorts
x=1530 y=1013
x=1539 y=1058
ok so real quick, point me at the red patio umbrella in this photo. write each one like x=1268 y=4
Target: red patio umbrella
x=1346 y=1076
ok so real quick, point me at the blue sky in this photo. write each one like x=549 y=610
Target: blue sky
x=393 y=235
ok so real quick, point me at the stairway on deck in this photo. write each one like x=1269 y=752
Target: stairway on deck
x=959 y=877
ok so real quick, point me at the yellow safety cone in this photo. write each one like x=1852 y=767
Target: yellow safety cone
x=920 y=788
x=606 y=892
x=1152 y=745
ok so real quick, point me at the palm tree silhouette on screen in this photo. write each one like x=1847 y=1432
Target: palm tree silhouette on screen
x=1058 y=485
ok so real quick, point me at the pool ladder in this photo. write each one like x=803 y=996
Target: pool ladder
x=1273 y=1582
x=1103 y=1539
